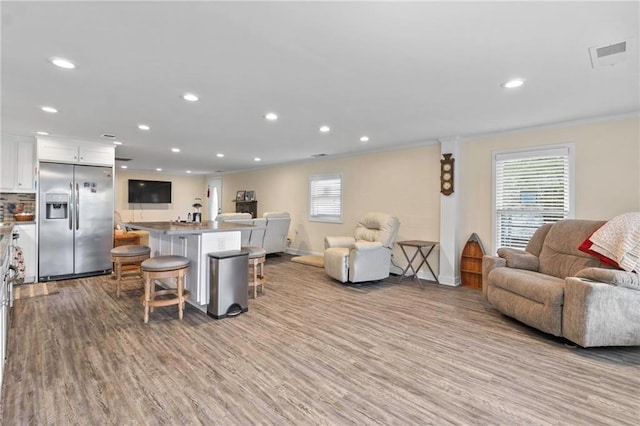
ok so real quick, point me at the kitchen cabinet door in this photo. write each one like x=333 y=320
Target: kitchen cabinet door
x=94 y=154
x=8 y=170
x=57 y=151
x=17 y=165
x=196 y=282
x=27 y=242
x=75 y=152
x=25 y=166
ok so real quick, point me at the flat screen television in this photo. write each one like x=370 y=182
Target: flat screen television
x=149 y=191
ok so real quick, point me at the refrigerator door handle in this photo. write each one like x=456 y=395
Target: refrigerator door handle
x=71 y=207
x=77 y=206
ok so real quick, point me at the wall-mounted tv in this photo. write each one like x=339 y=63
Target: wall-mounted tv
x=149 y=191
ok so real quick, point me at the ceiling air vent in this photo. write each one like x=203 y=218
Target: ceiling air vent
x=107 y=135
x=606 y=56
x=319 y=155
x=122 y=159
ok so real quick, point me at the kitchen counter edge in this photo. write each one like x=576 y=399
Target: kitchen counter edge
x=173 y=228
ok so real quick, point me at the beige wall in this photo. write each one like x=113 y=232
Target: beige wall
x=185 y=189
x=404 y=183
x=607 y=180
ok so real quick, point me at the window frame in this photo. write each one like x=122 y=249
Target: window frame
x=326 y=218
x=528 y=152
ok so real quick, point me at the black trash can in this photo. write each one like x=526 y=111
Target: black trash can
x=228 y=285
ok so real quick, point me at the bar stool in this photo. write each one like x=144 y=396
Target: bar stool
x=257 y=257
x=128 y=255
x=164 y=267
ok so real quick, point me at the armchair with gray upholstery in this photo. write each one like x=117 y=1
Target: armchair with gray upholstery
x=276 y=231
x=248 y=237
x=365 y=256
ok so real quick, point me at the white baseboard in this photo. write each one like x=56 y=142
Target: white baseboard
x=298 y=252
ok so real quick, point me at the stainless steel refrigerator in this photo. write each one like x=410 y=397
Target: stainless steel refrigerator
x=75 y=220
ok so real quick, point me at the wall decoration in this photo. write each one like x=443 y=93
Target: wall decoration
x=446 y=174
x=250 y=196
x=240 y=195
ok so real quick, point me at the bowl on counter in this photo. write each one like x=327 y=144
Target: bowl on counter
x=23 y=217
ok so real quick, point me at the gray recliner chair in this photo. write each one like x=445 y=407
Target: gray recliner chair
x=365 y=256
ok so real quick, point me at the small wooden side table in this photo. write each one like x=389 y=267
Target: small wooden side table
x=420 y=247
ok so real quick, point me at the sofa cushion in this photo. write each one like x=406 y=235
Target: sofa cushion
x=530 y=297
x=532 y=285
x=519 y=259
x=537 y=240
x=560 y=256
x=378 y=227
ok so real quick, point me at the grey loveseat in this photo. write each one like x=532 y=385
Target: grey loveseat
x=556 y=288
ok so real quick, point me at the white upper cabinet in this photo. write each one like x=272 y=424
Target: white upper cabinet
x=17 y=162
x=68 y=151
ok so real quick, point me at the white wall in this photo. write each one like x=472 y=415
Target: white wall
x=185 y=190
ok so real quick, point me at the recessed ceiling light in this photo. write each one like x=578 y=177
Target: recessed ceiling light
x=188 y=171
x=158 y=169
x=219 y=155
x=190 y=97
x=42 y=133
x=175 y=149
x=257 y=159
x=512 y=84
x=143 y=127
x=49 y=109
x=63 y=63
x=123 y=167
x=271 y=116
x=117 y=143
x=325 y=129
x=364 y=139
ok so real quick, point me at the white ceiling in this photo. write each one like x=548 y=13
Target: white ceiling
x=401 y=73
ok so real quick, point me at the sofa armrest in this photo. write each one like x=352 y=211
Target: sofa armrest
x=600 y=314
x=345 y=242
x=489 y=263
x=611 y=276
x=519 y=259
x=367 y=245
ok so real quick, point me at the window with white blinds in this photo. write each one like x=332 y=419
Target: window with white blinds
x=325 y=198
x=531 y=188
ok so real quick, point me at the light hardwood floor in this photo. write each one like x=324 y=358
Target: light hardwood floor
x=309 y=351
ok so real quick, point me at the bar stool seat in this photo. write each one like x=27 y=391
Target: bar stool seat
x=164 y=267
x=257 y=257
x=128 y=255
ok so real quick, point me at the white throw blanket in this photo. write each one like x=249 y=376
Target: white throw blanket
x=619 y=239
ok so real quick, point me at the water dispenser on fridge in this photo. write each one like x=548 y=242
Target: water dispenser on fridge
x=57 y=206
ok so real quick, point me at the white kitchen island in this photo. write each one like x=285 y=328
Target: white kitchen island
x=193 y=241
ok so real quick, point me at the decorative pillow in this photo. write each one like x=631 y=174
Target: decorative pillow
x=611 y=276
x=519 y=259
x=586 y=247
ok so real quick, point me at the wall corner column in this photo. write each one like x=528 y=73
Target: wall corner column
x=449 y=271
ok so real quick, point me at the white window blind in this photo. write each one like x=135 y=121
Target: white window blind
x=325 y=198
x=531 y=188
